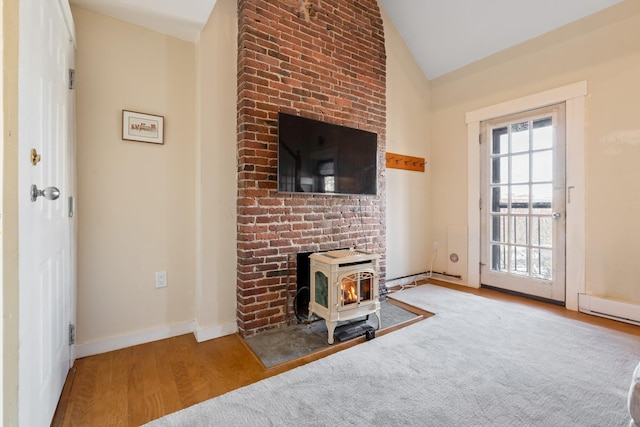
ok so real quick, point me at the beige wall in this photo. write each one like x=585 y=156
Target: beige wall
x=135 y=200
x=216 y=170
x=602 y=49
x=408 y=128
x=144 y=208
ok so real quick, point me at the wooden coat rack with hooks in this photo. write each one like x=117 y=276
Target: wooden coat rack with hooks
x=400 y=161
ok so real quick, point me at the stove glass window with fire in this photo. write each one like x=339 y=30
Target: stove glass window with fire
x=356 y=288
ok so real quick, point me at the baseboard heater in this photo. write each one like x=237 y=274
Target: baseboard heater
x=616 y=310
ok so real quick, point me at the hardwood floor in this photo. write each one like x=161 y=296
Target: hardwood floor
x=138 y=384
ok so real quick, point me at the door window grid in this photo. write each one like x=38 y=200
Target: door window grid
x=521 y=194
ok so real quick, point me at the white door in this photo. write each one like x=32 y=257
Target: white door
x=523 y=203
x=45 y=227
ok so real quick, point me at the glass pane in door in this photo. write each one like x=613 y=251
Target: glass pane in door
x=521 y=191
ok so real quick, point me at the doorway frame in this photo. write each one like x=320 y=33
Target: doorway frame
x=574 y=97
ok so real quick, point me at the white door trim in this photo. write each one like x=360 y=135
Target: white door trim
x=574 y=96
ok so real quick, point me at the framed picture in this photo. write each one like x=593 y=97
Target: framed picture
x=142 y=127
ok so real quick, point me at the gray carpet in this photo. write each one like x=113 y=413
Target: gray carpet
x=281 y=345
x=476 y=362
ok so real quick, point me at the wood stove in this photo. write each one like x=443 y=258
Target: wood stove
x=344 y=286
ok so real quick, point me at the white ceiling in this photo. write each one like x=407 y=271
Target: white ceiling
x=179 y=18
x=443 y=35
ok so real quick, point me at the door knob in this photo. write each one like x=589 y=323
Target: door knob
x=49 y=193
x=556 y=215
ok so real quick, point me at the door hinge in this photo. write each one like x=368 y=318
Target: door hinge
x=72 y=334
x=72 y=78
x=480 y=139
x=480 y=203
x=71 y=206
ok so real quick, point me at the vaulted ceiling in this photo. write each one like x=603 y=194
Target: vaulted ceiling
x=443 y=35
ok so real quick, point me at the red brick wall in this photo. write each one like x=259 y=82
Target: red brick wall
x=321 y=59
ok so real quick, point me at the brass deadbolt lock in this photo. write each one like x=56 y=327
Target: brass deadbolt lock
x=35 y=157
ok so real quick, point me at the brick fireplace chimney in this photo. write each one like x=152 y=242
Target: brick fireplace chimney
x=321 y=59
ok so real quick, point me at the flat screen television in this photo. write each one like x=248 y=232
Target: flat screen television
x=322 y=158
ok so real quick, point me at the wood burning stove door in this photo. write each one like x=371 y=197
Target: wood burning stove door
x=356 y=289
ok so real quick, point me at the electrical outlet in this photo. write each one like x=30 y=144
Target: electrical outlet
x=161 y=279
x=436 y=246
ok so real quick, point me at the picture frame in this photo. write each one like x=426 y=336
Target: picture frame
x=142 y=127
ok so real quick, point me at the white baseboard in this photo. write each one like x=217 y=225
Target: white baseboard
x=404 y=281
x=411 y=280
x=116 y=343
x=611 y=309
x=449 y=279
x=205 y=334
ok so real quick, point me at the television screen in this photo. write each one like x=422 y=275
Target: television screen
x=323 y=158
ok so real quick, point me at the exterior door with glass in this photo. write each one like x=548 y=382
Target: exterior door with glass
x=523 y=203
